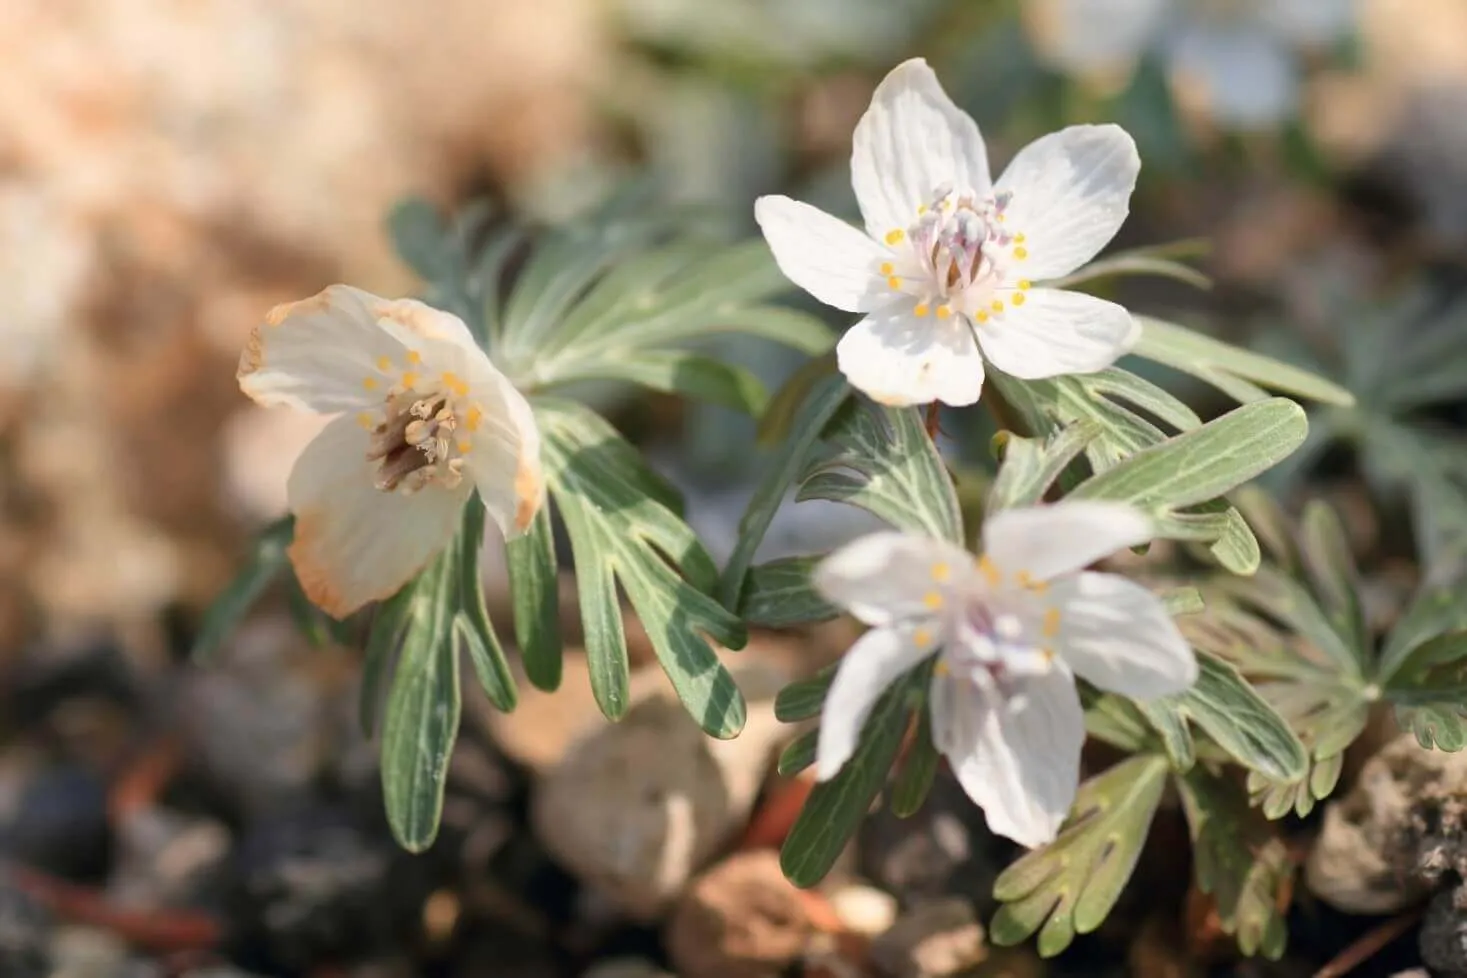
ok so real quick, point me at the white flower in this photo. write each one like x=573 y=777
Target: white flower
x=1241 y=53
x=949 y=261
x=1012 y=630
x=425 y=420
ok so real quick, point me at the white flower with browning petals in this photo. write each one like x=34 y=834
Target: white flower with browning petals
x=425 y=420
x=951 y=268
x=1011 y=630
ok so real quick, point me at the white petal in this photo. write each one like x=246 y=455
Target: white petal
x=823 y=255
x=884 y=577
x=504 y=459
x=1247 y=74
x=876 y=660
x=911 y=140
x=1043 y=541
x=441 y=339
x=319 y=354
x=1310 y=23
x=354 y=543
x=896 y=358
x=1118 y=635
x=1071 y=194
x=1056 y=332
x=1093 y=35
x=1016 y=753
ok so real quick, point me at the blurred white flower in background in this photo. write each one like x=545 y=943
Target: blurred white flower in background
x=1243 y=56
x=1011 y=631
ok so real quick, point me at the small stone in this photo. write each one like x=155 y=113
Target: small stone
x=627 y=968
x=636 y=807
x=741 y=919
x=59 y=823
x=84 y=952
x=933 y=940
x=1367 y=859
x=169 y=859
x=864 y=909
x=1443 y=939
x=25 y=933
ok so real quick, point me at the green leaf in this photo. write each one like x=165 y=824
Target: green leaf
x=389 y=629
x=1237 y=718
x=803 y=698
x=473 y=633
x=919 y=768
x=780 y=594
x=422 y=715
x=1030 y=466
x=420 y=237
x=535 y=594
x=1069 y=886
x=621 y=534
x=1429 y=690
x=798 y=754
x=677 y=372
x=882 y=460
x=1155 y=261
x=267 y=560
x=1239 y=861
x=1436 y=608
x=1232 y=370
x=1200 y=465
x=835 y=808
x=785 y=467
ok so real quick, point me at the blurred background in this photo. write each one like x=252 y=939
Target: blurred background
x=169 y=169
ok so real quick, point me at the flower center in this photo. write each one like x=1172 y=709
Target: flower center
x=957 y=257
x=989 y=648
x=420 y=434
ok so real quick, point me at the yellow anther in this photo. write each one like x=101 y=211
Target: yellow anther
x=981 y=315
x=454 y=383
x=367 y=420
x=1026 y=580
x=893 y=282
x=1002 y=217
x=921 y=310
x=941 y=572
x=932 y=600
x=921 y=209
x=1017 y=298
x=887 y=268
x=922 y=636
x=384 y=362
x=1019 y=239
x=414 y=357
x=474 y=418
x=944 y=311
x=941 y=669
x=463 y=447
x=1021 y=253
x=1051 y=625
x=369 y=383
x=998 y=305
x=1024 y=283
x=895 y=236
x=409 y=379
x=990 y=573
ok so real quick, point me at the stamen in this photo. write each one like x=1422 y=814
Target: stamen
x=941 y=572
x=893 y=282
x=1017 y=298
x=369 y=383
x=932 y=600
x=921 y=310
x=1051 y=626
x=990 y=573
x=895 y=236
x=944 y=311
x=887 y=268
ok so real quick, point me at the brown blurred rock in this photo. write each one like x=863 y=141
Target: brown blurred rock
x=933 y=940
x=627 y=968
x=636 y=807
x=741 y=919
x=1443 y=939
x=1367 y=858
x=171 y=170
x=864 y=909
